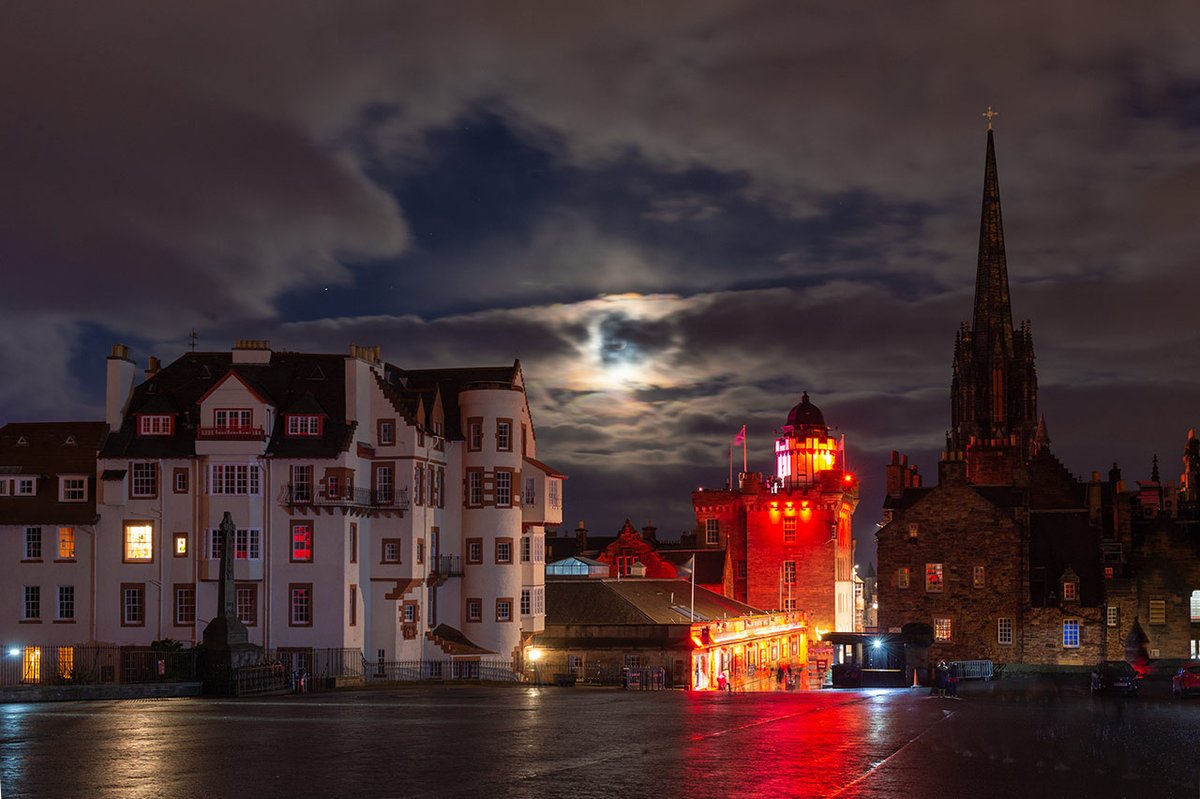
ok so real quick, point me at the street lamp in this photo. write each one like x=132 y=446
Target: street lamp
x=535 y=654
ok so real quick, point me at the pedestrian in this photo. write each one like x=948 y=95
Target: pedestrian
x=722 y=681
x=943 y=678
x=779 y=676
x=954 y=674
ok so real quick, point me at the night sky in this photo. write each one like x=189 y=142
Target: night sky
x=679 y=217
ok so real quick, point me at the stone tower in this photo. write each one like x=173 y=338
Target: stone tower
x=993 y=393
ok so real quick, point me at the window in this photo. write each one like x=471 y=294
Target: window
x=1108 y=572
x=474 y=550
x=739 y=569
x=539 y=549
x=979 y=577
x=301 y=604
x=303 y=425
x=503 y=489
x=302 y=483
x=385 y=483
x=1071 y=633
x=933 y=577
x=902 y=577
x=474 y=609
x=185 y=605
x=941 y=628
x=525 y=549
x=66 y=543
x=474 y=488
x=180 y=547
x=1195 y=609
x=1110 y=616
x=33 y=602
x=504 y=610
x=33 y=543
x=72 y=489
x=1070 y=590
x=552 y=492
x=418 y=485
x=409 y=612
x=143 y=480
x=233 y=478
x=180 y=481
x=233 y=418
x=635 y=661
x=438 y=484
x=474 y=434
x=789 y=572
x=526 y=602
x=139 y=542
x=1004 y=631
x=155 y=424
x=1158 y=611
x=133 y=604
x=503 y=550
x=712 y=531
x=789 y=530
x=624 y=564
x=789 y=603
x=913 y=530
x=353 y=603
x=387 y=432
x=246 y=602
x=66 y=603
x=247 y=545
x=390 y=550
x=504 y=435
x=353 y=542
x=302 y=542
x=420 y=550
x=575 y=664
x=530 y=494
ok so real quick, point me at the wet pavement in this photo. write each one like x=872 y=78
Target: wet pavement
x=479 y=741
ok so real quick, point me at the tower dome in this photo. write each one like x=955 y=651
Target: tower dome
x=805 y=414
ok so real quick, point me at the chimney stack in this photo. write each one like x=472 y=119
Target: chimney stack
x=118 y=386
x=152 y=366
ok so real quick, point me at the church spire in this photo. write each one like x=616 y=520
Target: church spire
x=993 y=327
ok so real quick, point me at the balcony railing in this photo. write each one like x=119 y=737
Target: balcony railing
x=307 y=494
x=231 y=434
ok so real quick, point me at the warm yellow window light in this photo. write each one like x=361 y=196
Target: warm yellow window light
x=139 y=542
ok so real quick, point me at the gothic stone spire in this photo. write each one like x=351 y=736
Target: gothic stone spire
x=993 y=326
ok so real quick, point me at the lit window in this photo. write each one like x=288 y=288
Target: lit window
x=503 y=489
x=475 y=488
x=474 y=610
x=526 y=602
x=1070 y=590
x=1004 y=631
x=1158 y=611
x=33 y=602
x=913 y=529
x=933 y=577
x=902 y=577
x=789 y=572
x=72 y=489
x=789 y=530
x=66 y=543
x=302 y=542
x=979 y=577
x=155 y=424
x=181 y=548
x=1071 y=633
x=503 y=552
x=33 y=543
x=303 y=425
x=185 y=605
x=712 y=531
x=66 y=662
x=133 y=605
x=1111 y=616
x=301 y=606
x=143 y=480
x=66 y=602
x=139 y=542
x=503 y=610
x=941 y=628
x=1195 y=611
x=1108 y=572
x=504 y=435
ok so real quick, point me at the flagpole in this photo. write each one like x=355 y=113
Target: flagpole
x=731 y=464
x=744 y=467
x=692 y=611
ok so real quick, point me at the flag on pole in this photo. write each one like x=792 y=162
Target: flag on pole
x=687 y=568
x=740 y=438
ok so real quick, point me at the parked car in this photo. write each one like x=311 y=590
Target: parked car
x=1186 y=680
x=1117 y=676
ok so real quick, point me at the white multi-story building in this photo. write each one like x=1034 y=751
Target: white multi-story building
x=396 y=512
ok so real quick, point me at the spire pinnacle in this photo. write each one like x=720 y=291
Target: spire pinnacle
x=993 y=327
x=989 y=113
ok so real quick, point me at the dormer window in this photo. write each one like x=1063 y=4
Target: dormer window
x=303 y=424
x=72 y=488
x=233 y=418
x=18 y=487
x=156 y=424
x=1070 y=590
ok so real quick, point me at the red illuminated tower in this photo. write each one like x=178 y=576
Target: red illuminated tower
x=788 y=536
x=994 y=389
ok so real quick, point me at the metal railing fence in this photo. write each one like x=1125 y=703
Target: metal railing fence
x=91 y=664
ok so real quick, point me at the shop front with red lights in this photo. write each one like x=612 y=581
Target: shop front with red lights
x=767 y=652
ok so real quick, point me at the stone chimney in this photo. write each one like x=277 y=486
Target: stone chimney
x=152 y=367
x=952 y=468
x=118 y=386
x=249 y=350
x=580 y=537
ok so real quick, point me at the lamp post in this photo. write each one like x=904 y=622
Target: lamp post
x=535 y=655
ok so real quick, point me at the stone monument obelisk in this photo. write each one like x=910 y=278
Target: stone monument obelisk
x=226 y=641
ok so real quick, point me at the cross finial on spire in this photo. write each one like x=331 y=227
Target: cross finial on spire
x=989 y=113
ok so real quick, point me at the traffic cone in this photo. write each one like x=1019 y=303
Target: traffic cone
x=916 y=683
